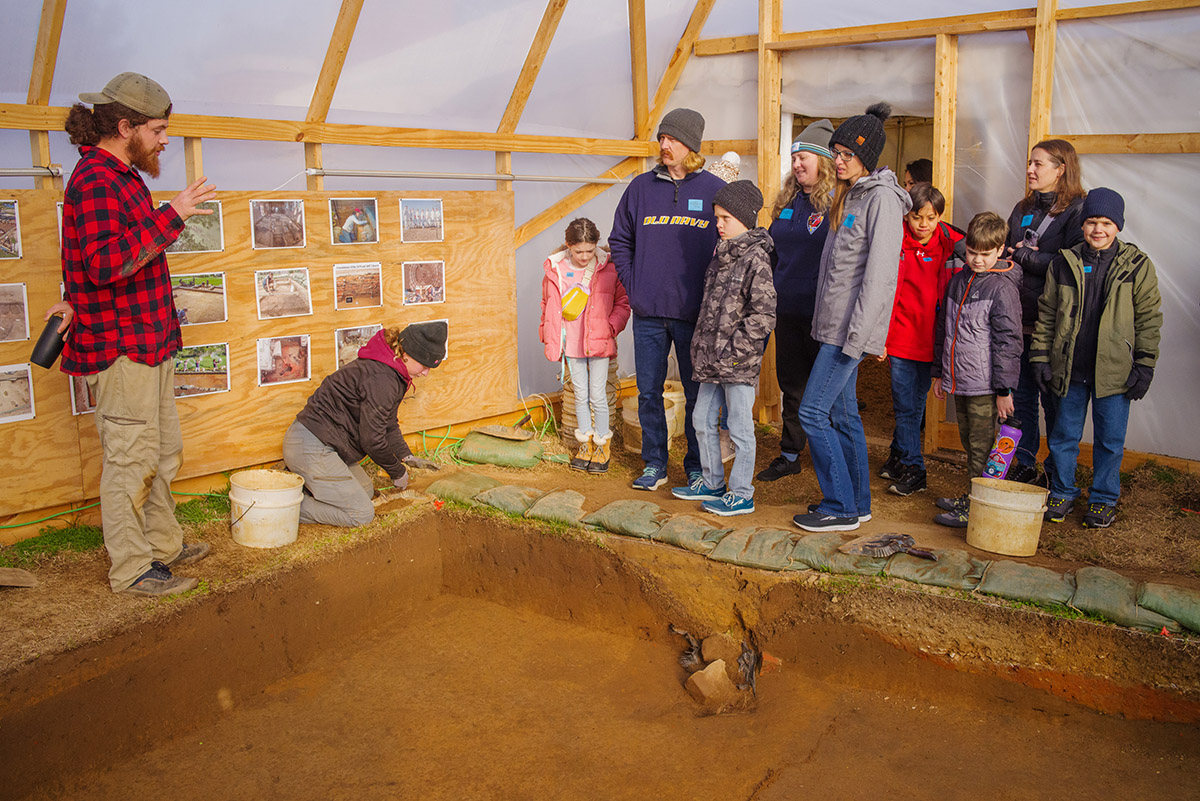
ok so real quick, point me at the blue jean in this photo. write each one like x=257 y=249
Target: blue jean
x=652 y=341
x=738 y=399
x=1110 y=417
x=1026 y=397
x=589 y=380
x=836 y=440
x=910 y=389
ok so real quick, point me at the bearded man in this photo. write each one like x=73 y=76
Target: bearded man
x=125 y=333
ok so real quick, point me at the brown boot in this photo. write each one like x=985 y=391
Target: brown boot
x=583 y=457
x=601 y=455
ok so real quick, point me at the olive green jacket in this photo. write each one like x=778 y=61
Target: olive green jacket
x=1130 y=321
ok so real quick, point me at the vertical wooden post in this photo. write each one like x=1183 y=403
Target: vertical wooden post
x=637 y=56
x=41 y=77
x=313 y=160
x=504 y=167
x=193 y=158
x=39 y=147
x=1044 y=35
x=770 y=77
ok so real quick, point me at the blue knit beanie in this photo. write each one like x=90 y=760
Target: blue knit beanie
x=1104 y=202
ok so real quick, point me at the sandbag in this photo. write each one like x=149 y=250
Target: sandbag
x=558 y=506
x=1018 y=582
x=510 y=499
x=632 y=518
x=954 y=568
x=461 y=487
x=690 y=532
x=1113 y=597
x=820 y=552
x=483 y=449
x=757 y=546
x=1178 y=603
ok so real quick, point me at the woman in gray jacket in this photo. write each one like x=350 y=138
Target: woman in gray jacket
x=855 y=291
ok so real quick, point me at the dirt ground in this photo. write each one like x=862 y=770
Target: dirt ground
x=203 y=306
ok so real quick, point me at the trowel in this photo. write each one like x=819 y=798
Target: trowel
x=16 y=577
x=508 y=432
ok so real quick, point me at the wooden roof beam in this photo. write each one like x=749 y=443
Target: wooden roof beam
x=45 y=52
x=532 y=66
x=552 y=215
x=679 y=59
x=335 y=58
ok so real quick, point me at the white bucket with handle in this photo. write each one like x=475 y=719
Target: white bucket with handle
x=265 y=507
x=1005 y=516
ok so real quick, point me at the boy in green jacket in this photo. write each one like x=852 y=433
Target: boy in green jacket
x=1096 y=341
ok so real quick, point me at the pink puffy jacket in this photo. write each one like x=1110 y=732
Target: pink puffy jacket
x=606 y=313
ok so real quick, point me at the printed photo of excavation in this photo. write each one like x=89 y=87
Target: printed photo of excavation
x=202 y=233
x=14 y=313
x=353 y=221
x=199 y=298
x=357 y=286
x=347 y=341
x=82 y=400
x=424 y=282
x=421 y=220
x=277 y=223
x=202 y=370
x=16 y=393
x=283 y=360
x=10 y=230
x=282 y=293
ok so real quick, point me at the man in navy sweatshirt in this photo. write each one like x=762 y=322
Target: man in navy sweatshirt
x=662 y=239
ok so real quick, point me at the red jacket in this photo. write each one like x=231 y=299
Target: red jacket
x=924 y=274
x=604 y=317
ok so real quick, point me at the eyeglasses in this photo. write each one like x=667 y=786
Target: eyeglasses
x=843 y=156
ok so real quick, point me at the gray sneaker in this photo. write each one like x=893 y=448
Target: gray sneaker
x=158 y=581
x=192 y=553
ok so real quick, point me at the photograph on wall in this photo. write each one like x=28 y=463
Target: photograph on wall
x=58 y=208
x=357 y=286
x=16 y=393
x=282 y=360
x=420 y=220
x=424 y=282
x=347 y=341
x=82 y=400
x=282 y=293
x=202 y=369
x=202 y=233
x=199 y=298
x=14 y=313
x=10 y=230
x=353 y=221
x=277 y=223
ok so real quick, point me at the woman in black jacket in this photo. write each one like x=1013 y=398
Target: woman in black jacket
x=1048 y=219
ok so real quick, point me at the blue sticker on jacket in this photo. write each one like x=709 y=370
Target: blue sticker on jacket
x=695 y=204
x=1027 y=221
x=1087 y=268
x=849 y=221
x=786 y=214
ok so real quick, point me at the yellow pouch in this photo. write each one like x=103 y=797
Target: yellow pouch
x=575 y=301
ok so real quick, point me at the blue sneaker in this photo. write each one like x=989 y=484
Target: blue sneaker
x=697 y=490
x=651 y=479
x=729 y=505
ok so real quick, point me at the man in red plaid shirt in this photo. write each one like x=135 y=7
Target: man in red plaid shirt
x=125 y=333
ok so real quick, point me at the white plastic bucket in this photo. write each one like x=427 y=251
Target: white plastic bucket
x=265 y=507
x=1006 y=516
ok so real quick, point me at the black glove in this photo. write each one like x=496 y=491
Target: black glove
x=420 y=464
x=1139 y=381
x=1041 y=376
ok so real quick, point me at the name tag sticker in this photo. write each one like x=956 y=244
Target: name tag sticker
x=1027 y=220
x=695 y=204
x=569 y=274
x=926 y=258
x=1087 y=268
x=849 y=221
x=786 y=214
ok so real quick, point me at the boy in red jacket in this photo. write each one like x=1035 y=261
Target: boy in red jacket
x=924 y=273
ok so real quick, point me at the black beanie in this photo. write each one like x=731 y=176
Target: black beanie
x=425 y=342
x=741 y=199
x=685 y=125
x=1104 y=202
x=864 y=134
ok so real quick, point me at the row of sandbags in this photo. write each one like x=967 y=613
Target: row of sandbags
x=1094 y=590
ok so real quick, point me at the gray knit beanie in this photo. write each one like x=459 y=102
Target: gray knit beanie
x=741 y=199
x=864 y=134
x=425 y=342
x=815 y=139
x=685 y=125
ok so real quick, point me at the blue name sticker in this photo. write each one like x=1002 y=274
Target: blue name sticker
x=849 y=221
x=786 y=214
x=1087 y=268
x=1027 y=220
x=926 y=258
x=695 y=204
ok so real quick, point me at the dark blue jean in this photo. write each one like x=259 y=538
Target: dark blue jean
x=1110 y=417
x=1026 y=399
x=910 y=389
x=836 y=440
x=652 y=341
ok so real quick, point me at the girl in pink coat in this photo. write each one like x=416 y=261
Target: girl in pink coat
x=584 y=307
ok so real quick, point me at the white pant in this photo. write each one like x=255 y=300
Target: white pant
x=589 y=380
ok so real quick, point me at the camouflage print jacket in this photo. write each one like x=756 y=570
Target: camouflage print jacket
x=737 y=313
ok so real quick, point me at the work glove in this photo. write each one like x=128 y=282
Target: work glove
x=1139 y=381
x=420 y=464
x=1041 y=376
x=401 y=482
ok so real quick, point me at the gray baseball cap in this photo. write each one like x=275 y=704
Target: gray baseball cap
x=134 y=91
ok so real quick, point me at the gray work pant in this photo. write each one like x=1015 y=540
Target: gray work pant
x=340 y=492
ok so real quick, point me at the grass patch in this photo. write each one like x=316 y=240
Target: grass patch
x=204 y=509
x=78 y=537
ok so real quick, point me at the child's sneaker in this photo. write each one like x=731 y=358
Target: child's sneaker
x=697 y=490
x=910 y=480
x=1099 y=515
x=780 y=467
x=651 y=479
x=729 y=505
x=1057 y=509
x=955 y=518
x=952 y=504
x=1024 y=473
x=891 y=468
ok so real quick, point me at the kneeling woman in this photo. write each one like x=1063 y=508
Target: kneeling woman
x=352 y=415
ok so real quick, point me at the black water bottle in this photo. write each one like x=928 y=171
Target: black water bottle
x=49 y=344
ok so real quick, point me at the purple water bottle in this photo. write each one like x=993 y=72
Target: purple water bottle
x=1004 y=450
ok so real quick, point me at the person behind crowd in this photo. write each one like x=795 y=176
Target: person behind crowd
x=736 y=317
x=925 y=270
x=349 y=230
x=1044 y=222
x=662 y=240
x=977 y=349
x=800 y=224
x=584 y=307
x=352 y=414
x=122 y=329
x=917 y=172
x=1096 y=341
x=855 y=291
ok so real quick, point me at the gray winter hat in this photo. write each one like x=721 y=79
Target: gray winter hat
x=425 y=342
x=815 y=139
x=685 y=125
x=741 y=199
x=134 y=91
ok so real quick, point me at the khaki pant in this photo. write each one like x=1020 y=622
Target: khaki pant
x=976 y=430
x=139 y=432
